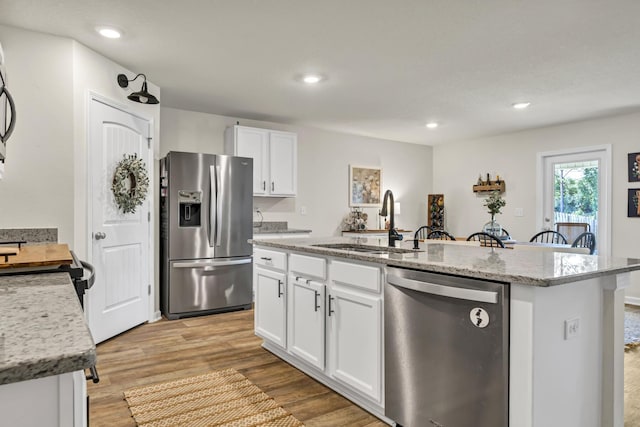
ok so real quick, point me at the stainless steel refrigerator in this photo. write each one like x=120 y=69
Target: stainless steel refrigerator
x=206 y=204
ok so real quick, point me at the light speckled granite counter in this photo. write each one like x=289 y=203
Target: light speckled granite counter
x=30 y=235
x=275 y=227
x=536 y=268
x=42 y=328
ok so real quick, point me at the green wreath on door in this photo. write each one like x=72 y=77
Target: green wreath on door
x=130 y=183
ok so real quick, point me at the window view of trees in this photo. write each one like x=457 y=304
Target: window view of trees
x=576 y=189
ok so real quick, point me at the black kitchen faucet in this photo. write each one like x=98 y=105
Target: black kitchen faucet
x=393 y=233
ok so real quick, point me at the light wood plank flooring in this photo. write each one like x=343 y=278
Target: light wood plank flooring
x=167 y=350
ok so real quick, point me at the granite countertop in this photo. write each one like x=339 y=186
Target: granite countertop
x=275 y=227
x=42 y=328
x=535 y=268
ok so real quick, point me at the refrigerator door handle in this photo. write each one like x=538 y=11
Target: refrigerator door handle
x=218 y=212
x=203 y=264
x=214 y=208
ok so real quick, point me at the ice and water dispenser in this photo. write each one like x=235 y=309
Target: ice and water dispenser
x=190 y=208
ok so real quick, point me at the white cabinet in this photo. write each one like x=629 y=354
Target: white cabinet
x=307 y=309
x=355 y=340
x=60 y=401
x=271 y=305
x=307 y=322
x=334 y=323
x=355 y=334
x=274 y=156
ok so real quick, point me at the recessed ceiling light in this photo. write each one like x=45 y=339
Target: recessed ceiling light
x=432 y=125
x=311 y=79
x=109 y=32
x=521 y=105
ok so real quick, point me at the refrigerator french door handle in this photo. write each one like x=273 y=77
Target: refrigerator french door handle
x=442 y=290
x=218 y=212
x=214 y=206
x=195 y=264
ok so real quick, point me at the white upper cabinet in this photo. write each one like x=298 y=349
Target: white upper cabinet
x=274 y=153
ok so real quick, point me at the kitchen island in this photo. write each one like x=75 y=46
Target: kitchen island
x=45 y=346
x=565 y=310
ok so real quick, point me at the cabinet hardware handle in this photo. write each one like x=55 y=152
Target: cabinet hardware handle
x=330 y=309
x=273 y=186
x=93 y=376
x=265 y=258
x=100 y=235
x=280 y=293
x=297 y=278
x=264 y=185
x=316 y=306
x=308 y=281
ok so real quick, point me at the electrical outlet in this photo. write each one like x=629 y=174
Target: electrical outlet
x=518 y=212
x=571 y=328
x=303 y=210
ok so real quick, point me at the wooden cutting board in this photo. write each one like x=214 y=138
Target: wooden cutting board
x=39 y=256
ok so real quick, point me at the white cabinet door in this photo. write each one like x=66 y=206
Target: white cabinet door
x=270 y=313
x=283 y=163
x=254 y=143
x=355 y=340
x=306 y=307
x=275 y=158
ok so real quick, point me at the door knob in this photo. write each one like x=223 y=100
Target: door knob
x=547 y=220
x=99 y=235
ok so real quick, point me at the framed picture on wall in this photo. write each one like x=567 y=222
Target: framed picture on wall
x=633 y=205
x=365 y=184
x=633 y=166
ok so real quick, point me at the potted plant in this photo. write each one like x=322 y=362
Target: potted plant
x=494 y=203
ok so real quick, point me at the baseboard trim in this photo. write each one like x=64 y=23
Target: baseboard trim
x=156 y=316
x=632 y=301
x=373 y=408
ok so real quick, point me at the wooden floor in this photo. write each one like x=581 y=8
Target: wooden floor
x=167 y=350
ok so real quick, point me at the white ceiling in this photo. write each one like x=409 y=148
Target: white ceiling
x=391 y=65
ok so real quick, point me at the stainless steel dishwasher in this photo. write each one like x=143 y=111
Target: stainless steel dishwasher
x=446 y=350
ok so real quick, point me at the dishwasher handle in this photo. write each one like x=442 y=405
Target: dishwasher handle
x=443 y=290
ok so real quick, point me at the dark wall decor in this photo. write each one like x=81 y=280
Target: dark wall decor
x=633 y=202
x=633 y=166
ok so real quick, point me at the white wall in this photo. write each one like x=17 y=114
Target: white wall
x=513 y=157
x=323 y=169
x=37 y=190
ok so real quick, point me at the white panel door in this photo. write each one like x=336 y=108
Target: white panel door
x=270 y=315
x=548 y=162
x=119 y=298
x=283 y=164
x=355 y=340
x=306 y=305
x=251 y=142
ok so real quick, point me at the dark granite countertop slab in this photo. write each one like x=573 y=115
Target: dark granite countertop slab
x=42 y=328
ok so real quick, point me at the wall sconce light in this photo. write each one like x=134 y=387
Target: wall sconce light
x=143 y=96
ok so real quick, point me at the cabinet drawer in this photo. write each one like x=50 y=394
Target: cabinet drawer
x=307 y=265
x=273 y=259
x=356 y=275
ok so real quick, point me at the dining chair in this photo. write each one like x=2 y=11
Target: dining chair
x=422 y=232
x=585 y=240
x=549 y=236
x=505 y=234
x=486 y=239
x=571 y=230
x=440 y=235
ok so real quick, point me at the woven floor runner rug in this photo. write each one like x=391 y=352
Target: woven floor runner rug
x=219 y=398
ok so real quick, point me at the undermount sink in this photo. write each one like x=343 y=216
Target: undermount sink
x=365 y=248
